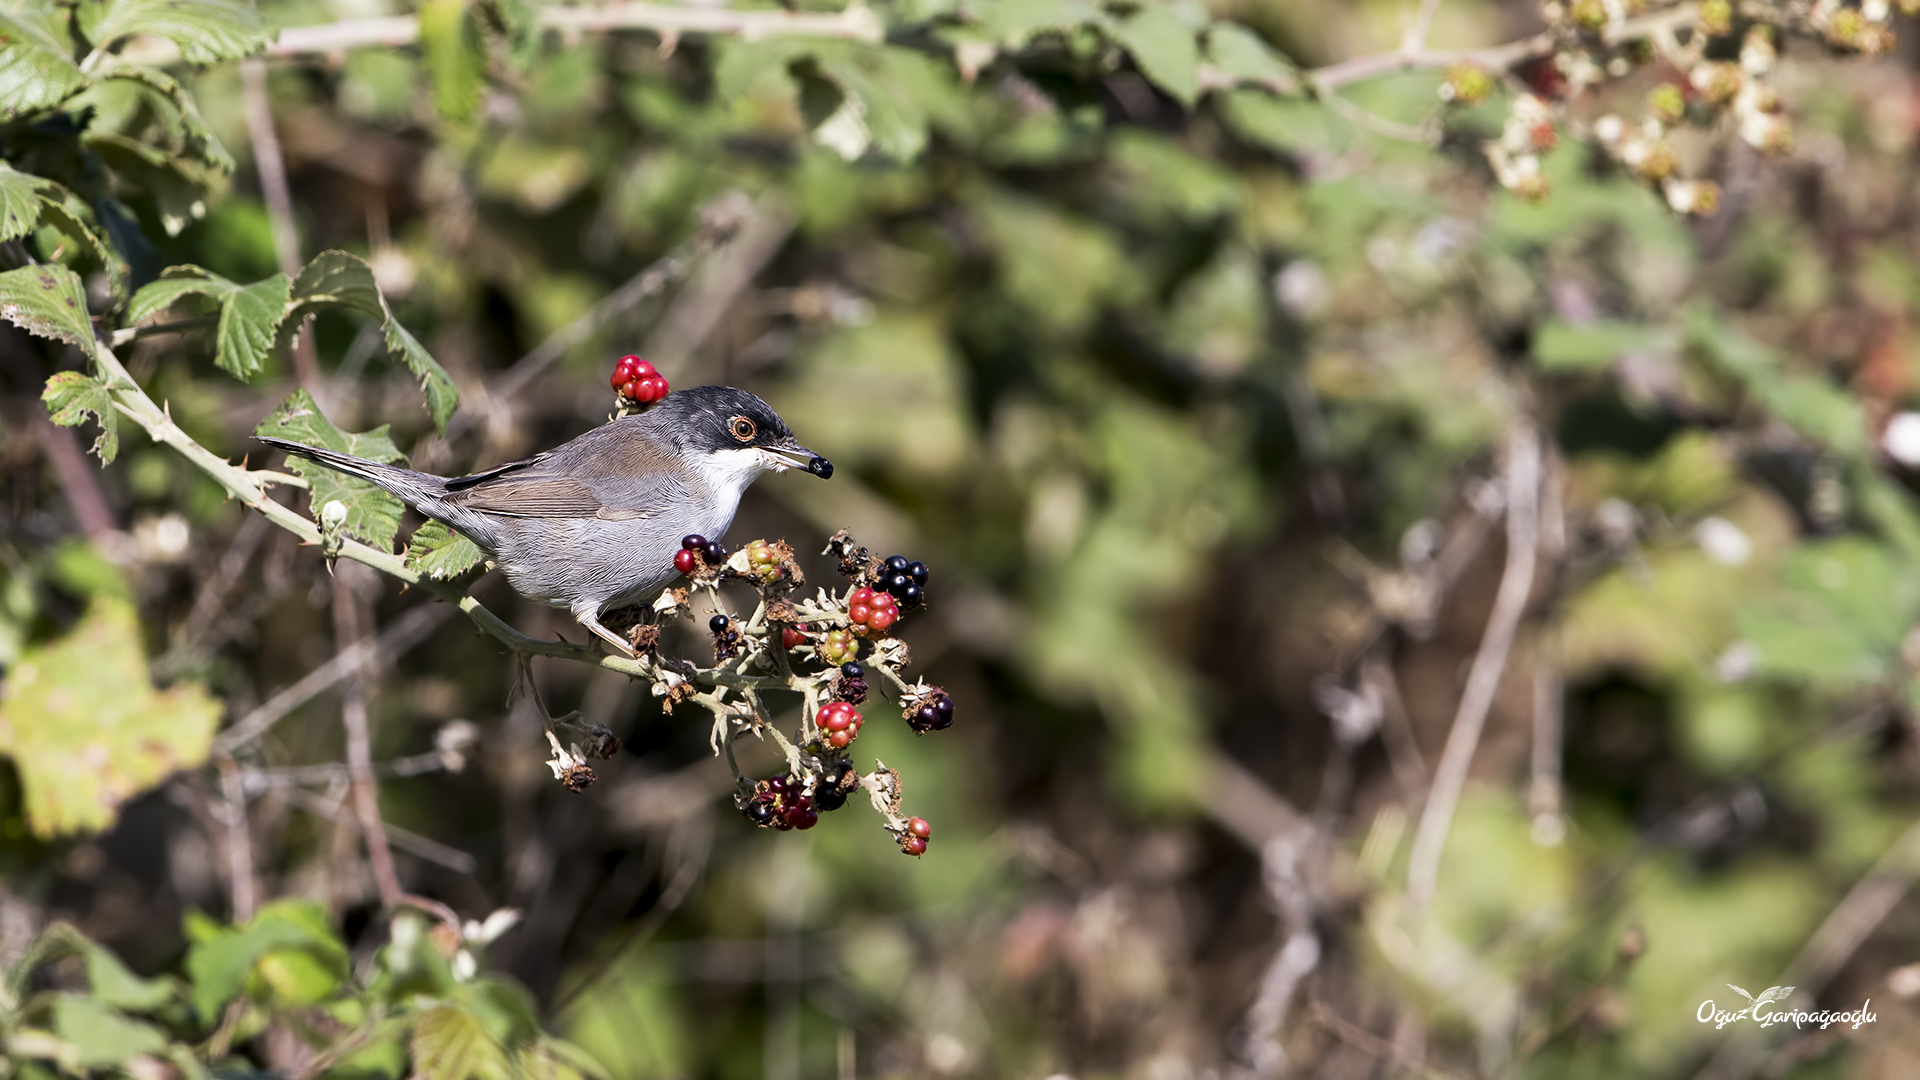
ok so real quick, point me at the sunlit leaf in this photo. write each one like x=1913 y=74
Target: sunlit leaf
x=86 y=728
x=37 y=70
x=206 y=30
x=103 y=1036
x=47 y=301
x=455 y=64
x=1240 y=53
x=450 y=1043
x=1564 y=346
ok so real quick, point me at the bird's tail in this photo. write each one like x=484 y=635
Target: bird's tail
x=422 y=491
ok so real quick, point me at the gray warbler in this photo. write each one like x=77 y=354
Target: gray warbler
x=594 y=523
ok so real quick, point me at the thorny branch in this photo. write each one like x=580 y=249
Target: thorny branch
x=1489 y=663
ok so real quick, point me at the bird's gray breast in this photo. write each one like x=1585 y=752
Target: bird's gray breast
x=609 y=562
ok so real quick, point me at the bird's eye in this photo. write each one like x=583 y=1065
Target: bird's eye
x=742 y=428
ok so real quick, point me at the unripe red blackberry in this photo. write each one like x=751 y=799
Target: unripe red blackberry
x=791 y=636
x=684 y=561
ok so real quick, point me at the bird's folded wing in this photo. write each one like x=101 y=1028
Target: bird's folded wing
x=537 y=493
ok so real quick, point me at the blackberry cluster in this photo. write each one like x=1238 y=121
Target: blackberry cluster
x=695 y=549
x=726 y=638
x=905 y=581
x=851 y=686
x=779 y=802
x=838 y=782
x=934 y=713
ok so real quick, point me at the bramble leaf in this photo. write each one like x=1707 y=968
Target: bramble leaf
x=86 y=728
x=36 y=62
x=1165 y=50
x=449 y=1043
x=47 y=301
x=441 y=553
x=101 y=1035
x=72 y=397
x=206 y=30
x=340 y=279
x=1239 y=52
x=196 y=139
x=373 y=515
x=19 y=201
x=249 y=314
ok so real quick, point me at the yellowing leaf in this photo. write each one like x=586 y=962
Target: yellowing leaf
x=87 y=730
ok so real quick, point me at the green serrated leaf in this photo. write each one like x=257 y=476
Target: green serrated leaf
x=19 y=201
x=47 y=301
x=87 y=730
x=103 y=1036
x=1015 y=22
x=1165 y=50
x=341 y=279
x=249 y=314
x=207 y=31
x=114 y=984
x=221 y=958
x=1242 y=54
x=74 y=219
x=373 y=516
x=72 y=397
x=36 y=61
x=441 y=553
x=456 y=67
x=196 y=139
x=449 y=1043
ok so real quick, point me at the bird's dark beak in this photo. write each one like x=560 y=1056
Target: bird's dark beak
x=793 y=454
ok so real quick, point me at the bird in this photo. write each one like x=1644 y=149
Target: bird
x=593 y=524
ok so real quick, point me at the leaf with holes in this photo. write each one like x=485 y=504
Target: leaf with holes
x=86 y=728
x=373 y=515
x=249 y=314
x=19 y=201
x=339 y=279
x=206 y=30
x=36 y=60
x=72 y=397
x=47 y=301
x=441 y=553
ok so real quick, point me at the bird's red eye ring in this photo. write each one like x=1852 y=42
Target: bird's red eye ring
x=742 y=428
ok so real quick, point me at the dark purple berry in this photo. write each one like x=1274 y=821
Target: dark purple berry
x=852 y=669
x=910 y=597
x=898 y=584
x=924 y=718
x=718 y=624
x=918 y=572
x=715 y=553
x=760 y=812
x=693 y=541
x=944 y=706
x=896 y=564
x=804 y=819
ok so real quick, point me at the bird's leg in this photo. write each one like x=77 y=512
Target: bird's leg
x=588 y=614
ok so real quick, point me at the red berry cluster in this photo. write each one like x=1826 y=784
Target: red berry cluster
x=635 y=380
x=695 y=549
x=840 y=722
x=913 y=839
x=780 y=803
x=875 y=611
x=792 y=637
